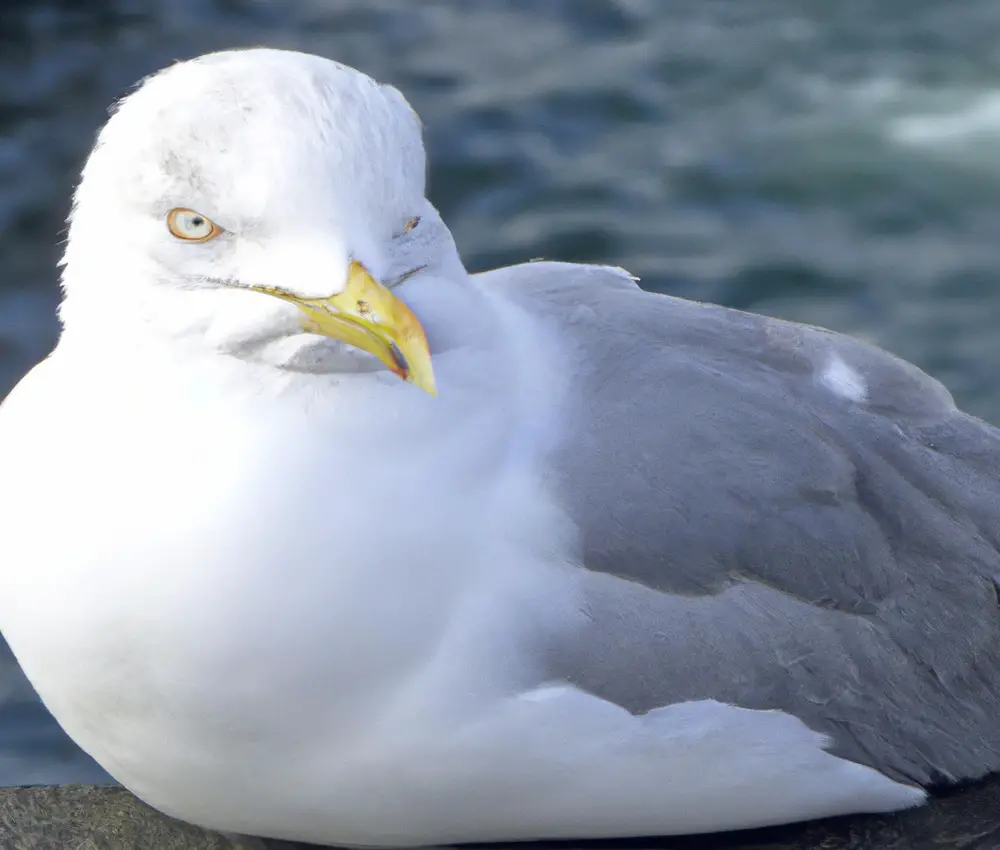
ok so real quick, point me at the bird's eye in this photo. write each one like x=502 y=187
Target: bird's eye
x=192 y=226
x=410 y=224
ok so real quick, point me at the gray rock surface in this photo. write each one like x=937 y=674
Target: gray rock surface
x=95 y=817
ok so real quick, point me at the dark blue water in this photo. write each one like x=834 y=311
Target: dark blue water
x=836 y=163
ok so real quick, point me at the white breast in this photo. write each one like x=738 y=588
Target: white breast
x=269 y=659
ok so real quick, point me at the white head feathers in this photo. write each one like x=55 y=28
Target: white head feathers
x=306 y=164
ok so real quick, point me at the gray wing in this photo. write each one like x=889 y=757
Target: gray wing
x=783 y=544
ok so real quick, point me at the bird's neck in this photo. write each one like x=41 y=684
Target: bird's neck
x=487 y=361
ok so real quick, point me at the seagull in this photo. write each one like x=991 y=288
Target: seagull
x=311 y=534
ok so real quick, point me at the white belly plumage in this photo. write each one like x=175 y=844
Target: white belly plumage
x=264 y=668
x=550 y=763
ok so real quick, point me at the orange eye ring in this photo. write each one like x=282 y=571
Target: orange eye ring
x=192 y=226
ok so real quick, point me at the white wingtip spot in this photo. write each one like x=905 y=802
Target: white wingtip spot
x=843 y=380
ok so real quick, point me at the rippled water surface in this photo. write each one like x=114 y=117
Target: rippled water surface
x=836 y=163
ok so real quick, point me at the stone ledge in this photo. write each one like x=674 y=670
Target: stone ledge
x=96 y=817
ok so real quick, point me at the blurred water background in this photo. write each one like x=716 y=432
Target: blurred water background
x=834 y=163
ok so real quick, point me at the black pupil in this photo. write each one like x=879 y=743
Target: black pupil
x=197 y=221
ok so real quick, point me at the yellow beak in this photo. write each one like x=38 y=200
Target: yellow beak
x=368 y=316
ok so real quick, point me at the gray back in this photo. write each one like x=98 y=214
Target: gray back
x=785 y=547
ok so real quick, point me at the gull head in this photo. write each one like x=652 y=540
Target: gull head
x=260 y=204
